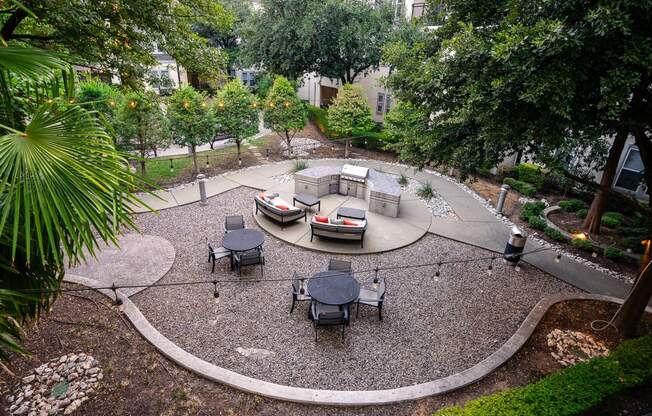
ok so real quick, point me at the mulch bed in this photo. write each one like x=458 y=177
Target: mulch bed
x=139 y=381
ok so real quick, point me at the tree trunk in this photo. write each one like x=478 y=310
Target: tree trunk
x=346 y=148
x=630 y=313
x=237 y=145
x=212 y=142
x=288 y=140
x=193 y=149
x=519 y=156
x=11 y=23
x=594 y=217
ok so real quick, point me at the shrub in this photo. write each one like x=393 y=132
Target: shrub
x=613 y=253
x=537 y=223
x=402 y=180
x=531 y=209
x=612 y=219
x=425 y=191
x=583 y=244
x=523 y=187
x=299 y=165
x=506 y=171
x=319 y=116
x=633 y=232
x=582 y=213
x=641 y=220
x=530 y=173
x=554 y=234
x=571 y=205
x=634 y=244
x=573 y=390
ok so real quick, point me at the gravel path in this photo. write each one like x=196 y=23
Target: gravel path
x=430 y=329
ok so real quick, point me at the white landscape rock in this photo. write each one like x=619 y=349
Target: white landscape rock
x=569 y=347
x=257 y=353
x=35 y=395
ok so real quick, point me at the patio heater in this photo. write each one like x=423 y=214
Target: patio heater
x=515 y=245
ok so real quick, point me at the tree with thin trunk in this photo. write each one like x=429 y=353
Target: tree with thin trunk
x=349 y=114
x=191 y=120
x=236 y=112
x=284 y=112
x=142 y=126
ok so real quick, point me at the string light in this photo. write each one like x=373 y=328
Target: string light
x=375 y=282
x=203 y=104
x=186 y=105
x=271 y=104
x=239 y=161
x=254 y=104
x=117 y=300
x=71 y=101
x=133 y=104
x=594 y=254
x=490 y=268
x=435 y=278
x=171 y=166
x=220 y=104
x=286 y=104
x=216 y=293
x=207 y=165
x=517 y=267
x=50 y=101
x=112 y=103
x=302 y=284
x=558 y=258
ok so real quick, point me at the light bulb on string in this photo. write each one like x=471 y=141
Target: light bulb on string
x=207 y=165
x=112 y=103
x=517 y=267
x=435 y=278
x=302 y=286
x=132 y=104
x=490 y=268
x=375 y=282
x=216 y=293
x=594 y=254
x=558 y=258
x=171 y=166
x=286 y=104
x=220 y=104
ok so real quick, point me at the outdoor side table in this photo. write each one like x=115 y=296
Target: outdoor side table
x=242 y=240
x=334 y=288
x=354 y=213
x=307 y=200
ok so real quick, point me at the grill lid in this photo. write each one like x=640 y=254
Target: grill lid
x=352 y=171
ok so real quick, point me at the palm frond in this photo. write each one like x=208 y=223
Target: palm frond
x=59 y=182
x=32 y=63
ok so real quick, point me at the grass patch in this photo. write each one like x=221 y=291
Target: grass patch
x=583 y=244
x=554 y=234
x=571 y=391
x=425 y=191
x=402 y=180
x=299 y=165
x=614 y=253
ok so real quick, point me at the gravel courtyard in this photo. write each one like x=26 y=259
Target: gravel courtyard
x=430 y=329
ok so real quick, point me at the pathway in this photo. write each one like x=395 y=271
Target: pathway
x=477 y=226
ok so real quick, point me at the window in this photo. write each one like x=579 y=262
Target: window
x=388 y=106
x=249 y=78
x=631 y=173
x=380 y=103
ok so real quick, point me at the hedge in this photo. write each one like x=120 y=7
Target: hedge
x=571 y=205
x=573 y=390
x=612 y=219
x=613 y=253
x=537 y=223
x=523 y=187
x=532 y=209
x=582 y=213
x=583 y=244
x=531 y=173
x=319 y=116
x=554 y=234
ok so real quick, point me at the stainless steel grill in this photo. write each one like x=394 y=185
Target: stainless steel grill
x=354 y=173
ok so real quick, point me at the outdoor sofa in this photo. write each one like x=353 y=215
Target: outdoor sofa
x=340 y=229
x=278 y=209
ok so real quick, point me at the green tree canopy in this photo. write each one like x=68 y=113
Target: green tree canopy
x=191 y=119
x=236 y=113
x=102 y=98
x=336 y=38
x=349 y=113
x=142 y=127
x=119 y=36
x=284 y=112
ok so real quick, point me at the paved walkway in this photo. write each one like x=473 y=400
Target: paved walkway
x=139 y=259
x=477 y=226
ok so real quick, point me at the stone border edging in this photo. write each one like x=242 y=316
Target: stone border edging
x=339 y=397
x=569 y=236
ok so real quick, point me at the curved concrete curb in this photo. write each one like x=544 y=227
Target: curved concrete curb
x=570 y=236
x=339 y=397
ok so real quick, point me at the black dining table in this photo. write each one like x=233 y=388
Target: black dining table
x=246 y=239
x=334 y=288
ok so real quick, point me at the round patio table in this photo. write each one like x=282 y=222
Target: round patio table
x=333 y=288
x=243 y=240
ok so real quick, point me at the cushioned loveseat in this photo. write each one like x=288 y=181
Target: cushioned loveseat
x=277 y=209
x=343 y=229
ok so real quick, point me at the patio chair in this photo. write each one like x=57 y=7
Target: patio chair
x=373 y=298
x=297 y=284
x=249 y=258
x=339 y=266
x=233 y=222
x=215 y=254
x=328 y=315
